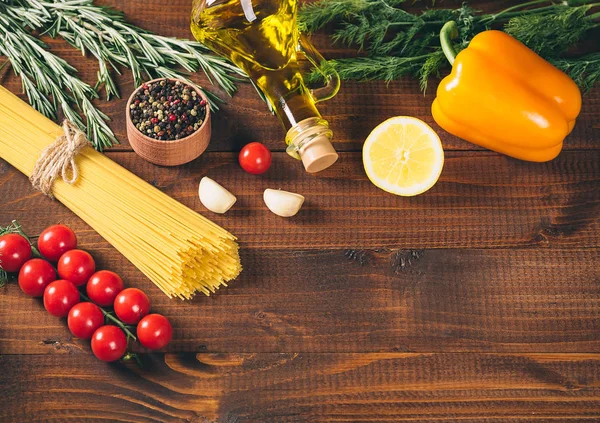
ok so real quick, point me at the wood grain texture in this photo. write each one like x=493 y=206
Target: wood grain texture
x=360 y=301
x=475 y=302
x=304 y=388
x=482 y=200
x=352 y=114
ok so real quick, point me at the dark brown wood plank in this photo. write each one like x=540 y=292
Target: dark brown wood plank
x=360 y=301
x=302 y=388
x=482 y=200
x=353 y=113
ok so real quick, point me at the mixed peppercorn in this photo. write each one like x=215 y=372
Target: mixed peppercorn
x=167 y=110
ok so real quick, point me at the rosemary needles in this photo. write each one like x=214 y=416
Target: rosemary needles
x=51 y=82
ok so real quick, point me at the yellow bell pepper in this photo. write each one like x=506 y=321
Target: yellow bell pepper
x=503 y=96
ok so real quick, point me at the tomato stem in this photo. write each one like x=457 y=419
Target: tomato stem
x=108 y=316
x=3 y=277
x=16 y=228
x=132 y=356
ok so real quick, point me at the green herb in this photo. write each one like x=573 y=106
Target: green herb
x=397 y=43
x=540 y=32
x=50 y=82
x=584 y=70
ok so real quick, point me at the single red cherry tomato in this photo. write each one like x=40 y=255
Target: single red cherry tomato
x=154 y=331
x=60 y=297
x=109 y=343
x=84 y=319
x=131 y=305
x=255 y=158
x=76 y=266
x=103 y=287
x=55 y=241
x=35 y=276
x=14 y=252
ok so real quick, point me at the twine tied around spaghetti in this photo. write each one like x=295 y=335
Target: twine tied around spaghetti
x=59 y=159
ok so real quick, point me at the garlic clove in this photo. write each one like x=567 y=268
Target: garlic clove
x=214 y=197
x=283 y=203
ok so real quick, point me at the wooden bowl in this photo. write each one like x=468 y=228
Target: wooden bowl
x=169 y=153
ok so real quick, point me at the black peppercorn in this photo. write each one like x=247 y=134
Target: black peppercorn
x=167 y=110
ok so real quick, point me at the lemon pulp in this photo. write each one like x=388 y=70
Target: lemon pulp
x=403 y=156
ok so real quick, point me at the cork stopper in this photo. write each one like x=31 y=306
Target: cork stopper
x=318 y=154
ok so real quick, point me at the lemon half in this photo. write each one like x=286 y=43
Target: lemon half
x=403 y=156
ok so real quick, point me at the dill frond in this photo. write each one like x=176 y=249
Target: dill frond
x=552 y=35
x=585 y=70
x=399 y=43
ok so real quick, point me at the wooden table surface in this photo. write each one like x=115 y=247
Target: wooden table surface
x=477 y=301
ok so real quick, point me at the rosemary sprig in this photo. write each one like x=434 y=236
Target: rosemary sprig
x=399 y=43
x=105 y=34
x=113 y=41
x=45 y=76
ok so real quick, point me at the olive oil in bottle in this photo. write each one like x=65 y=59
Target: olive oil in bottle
x=261 y=38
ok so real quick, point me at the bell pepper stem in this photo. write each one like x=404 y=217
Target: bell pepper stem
x=449 y=32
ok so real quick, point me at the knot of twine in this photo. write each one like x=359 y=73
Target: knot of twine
x=59 y=159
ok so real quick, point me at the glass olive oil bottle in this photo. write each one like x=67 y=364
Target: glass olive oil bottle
x=261 y=37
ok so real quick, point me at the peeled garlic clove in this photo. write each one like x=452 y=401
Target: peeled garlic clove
x=214 y=197
x=283 y=203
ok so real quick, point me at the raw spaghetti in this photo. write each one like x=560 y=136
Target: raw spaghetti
x=179 y=250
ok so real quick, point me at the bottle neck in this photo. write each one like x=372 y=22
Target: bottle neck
x=310 y=141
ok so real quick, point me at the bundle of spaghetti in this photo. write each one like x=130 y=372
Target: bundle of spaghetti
x=179 y=250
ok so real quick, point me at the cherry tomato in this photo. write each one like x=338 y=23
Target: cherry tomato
x=154 y=331
x=55 y=241
x=84 y=319
x=60 y=297
x=14 y=252
x=255 y=158
x=131 y=305
x=109 y=343
x=103 y=287
x=76 y=266
x=35 y=276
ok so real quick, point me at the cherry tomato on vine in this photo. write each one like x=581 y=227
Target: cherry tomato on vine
x=60 y=297
x=103 y=287
x=109 y=343
x=131 y=305
x=35 y=276
x=154 y=331
x=255 y=158
x=84 y=319
x=76 y=266
x=55 y=241
x=14 y=252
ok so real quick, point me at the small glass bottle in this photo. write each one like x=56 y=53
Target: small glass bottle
x=261 y=37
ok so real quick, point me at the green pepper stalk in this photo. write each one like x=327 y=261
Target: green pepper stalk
x=449 y=32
